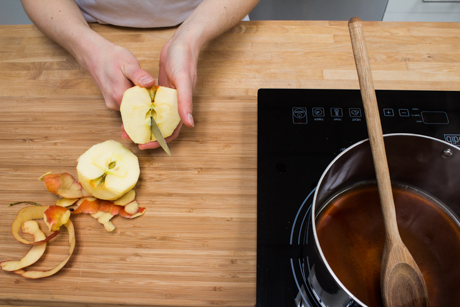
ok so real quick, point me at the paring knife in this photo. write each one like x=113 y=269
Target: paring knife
x=158 y=135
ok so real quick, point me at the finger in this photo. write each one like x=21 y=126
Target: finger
x=184 y=86
x=138 y=76
x=163 y=78
x=153 y=145
x=125 y=136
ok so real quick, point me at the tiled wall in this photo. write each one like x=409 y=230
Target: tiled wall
x=418 y=10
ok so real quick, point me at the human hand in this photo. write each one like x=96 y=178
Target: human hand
x=178 y=63
x=177 y=70
x=115 y=69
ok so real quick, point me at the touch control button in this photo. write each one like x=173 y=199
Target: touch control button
x=336 y=112
x=299 y=115
x=355 y=112
x=318 y=112
x=404 y=112
x=388 y=112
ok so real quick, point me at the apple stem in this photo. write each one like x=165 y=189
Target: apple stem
x=24 y=202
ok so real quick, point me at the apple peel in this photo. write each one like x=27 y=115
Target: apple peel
x=55 y=217
x=66 y=202
x=64 y=185
x=35 y=274
x=103 y=210
x=35 y=252
x=126 y=199
x=26 y=214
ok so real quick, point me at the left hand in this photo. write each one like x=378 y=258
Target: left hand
x=178 y=66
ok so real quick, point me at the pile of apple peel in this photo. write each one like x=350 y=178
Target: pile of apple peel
x=110 y=171
x=65 y=185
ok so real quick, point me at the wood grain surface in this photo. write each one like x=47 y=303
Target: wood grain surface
x=196 y=244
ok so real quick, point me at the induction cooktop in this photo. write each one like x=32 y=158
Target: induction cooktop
x=300 y=131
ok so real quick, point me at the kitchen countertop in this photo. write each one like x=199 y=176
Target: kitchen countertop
x=196 y=244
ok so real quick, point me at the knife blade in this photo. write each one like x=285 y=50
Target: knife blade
x=158 y=135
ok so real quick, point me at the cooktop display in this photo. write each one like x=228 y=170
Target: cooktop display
x=300 y=131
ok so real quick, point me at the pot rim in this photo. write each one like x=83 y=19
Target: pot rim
x=313 y=210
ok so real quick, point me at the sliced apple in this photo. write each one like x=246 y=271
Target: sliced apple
x=108 y=170
x=32 y=256
x=139 y=103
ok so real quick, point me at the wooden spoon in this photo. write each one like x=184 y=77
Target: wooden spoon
x=402 y=283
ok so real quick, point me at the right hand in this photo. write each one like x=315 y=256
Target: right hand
x=115 y=69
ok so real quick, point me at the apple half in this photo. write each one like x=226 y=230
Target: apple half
x=108 y=170
x=139 y=103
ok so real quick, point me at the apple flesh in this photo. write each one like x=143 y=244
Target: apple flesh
x=139 y=103
x=108 y=170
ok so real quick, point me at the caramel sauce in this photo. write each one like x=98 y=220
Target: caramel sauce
x=351 y=235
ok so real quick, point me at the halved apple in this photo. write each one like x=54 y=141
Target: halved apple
x=139 y=103
x=108 y=170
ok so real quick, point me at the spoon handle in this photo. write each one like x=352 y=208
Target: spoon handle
x=374 y=127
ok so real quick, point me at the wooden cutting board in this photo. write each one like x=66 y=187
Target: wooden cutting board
x=196 y=244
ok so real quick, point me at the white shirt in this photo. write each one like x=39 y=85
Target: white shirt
x=137 y=13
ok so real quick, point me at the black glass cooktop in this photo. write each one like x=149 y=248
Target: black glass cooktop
x=300 y=131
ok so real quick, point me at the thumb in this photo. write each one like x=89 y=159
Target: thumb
x=138 y=76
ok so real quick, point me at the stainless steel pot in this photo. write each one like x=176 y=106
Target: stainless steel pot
x=422 y=162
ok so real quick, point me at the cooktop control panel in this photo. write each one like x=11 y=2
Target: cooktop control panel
x=339 y=114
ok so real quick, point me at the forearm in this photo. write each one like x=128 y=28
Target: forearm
x=212 y=18
x=62 y=21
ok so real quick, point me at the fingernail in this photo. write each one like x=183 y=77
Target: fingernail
x=146 y=80
x=190 y=120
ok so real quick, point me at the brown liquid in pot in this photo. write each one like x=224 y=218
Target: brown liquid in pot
x=351 y=235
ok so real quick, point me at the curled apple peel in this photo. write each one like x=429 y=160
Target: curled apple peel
x=26 y=214
x=35 y=274
x=36 y=251
x=104 y=210
x=64 y=185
